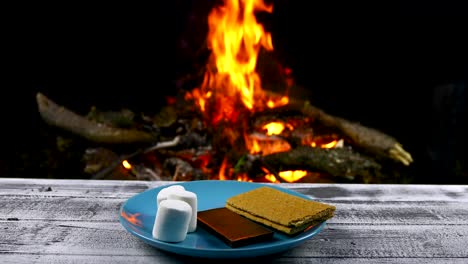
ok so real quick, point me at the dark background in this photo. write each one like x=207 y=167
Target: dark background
x=385 y=66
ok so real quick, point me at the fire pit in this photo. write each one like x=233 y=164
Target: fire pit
x=230 y=127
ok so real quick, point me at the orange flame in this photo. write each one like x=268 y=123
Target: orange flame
x=331 y=144
x=263 y=144
x=271 y=178
x=222 y=170
x=244 y=177
x=281 y=102
x=235 y=38
x=232 y=89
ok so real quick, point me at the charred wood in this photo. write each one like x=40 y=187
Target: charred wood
x=369 y=139
x=181 y=170
x=338 y=162
x=361 y=137
x=102 y=162
x=61 y=117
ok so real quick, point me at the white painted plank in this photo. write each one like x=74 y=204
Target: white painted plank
x=173 y=259
x=336 y=240
x=340 y=192
x=383 y=192
x=71 y=221
x=72 y=188
x=60 y=208
x=383 y=241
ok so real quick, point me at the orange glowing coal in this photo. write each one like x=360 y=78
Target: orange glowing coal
x=332 y=144
x=288 y=176
x=264 y=144
x=269 y=142
x=274 y=128
x=126 y=165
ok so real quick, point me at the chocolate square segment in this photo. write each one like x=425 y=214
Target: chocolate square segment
x=234 y=229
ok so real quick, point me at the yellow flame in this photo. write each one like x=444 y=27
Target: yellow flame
x=284 y=100
x=292 y=176
x=331 y=144
x=235 y=38
x=126 y=164
x=271 y=178
x=289 y=176
x=274 y=128
x=244 y=177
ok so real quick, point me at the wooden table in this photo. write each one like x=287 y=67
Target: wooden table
x=76 y=221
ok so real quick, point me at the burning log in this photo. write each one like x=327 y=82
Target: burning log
x=63 y=118
x=338 y=162
x=368 y=139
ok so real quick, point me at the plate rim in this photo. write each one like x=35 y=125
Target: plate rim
x=239 y=252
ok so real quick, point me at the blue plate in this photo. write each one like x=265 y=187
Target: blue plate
x=138 y=213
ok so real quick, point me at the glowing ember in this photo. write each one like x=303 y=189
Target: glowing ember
x=332 y=144
x=292 y=176
x=271 y=178
x=274 y=128
x=289 y=176
x=126 y=165
x=263 y=144
x=244 y=177
x=281 y=102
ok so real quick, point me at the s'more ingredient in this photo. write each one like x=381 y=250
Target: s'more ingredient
x=282 y=211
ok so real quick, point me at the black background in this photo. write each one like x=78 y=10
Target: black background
x=376 y=64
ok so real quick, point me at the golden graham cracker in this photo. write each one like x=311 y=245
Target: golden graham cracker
x=281 y=211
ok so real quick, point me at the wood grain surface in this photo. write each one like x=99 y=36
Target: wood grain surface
x=76 y=221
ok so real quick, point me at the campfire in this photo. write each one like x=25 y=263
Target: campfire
x=230 y=127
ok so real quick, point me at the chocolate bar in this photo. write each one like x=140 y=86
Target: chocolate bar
x=234 y=229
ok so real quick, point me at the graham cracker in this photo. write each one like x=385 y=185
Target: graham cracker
x=284 y=212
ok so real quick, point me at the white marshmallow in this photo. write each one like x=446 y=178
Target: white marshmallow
x=191 y=199
x=162 y=195
x=172 y=221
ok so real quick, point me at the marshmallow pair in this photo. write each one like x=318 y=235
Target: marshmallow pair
x=176 y=215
